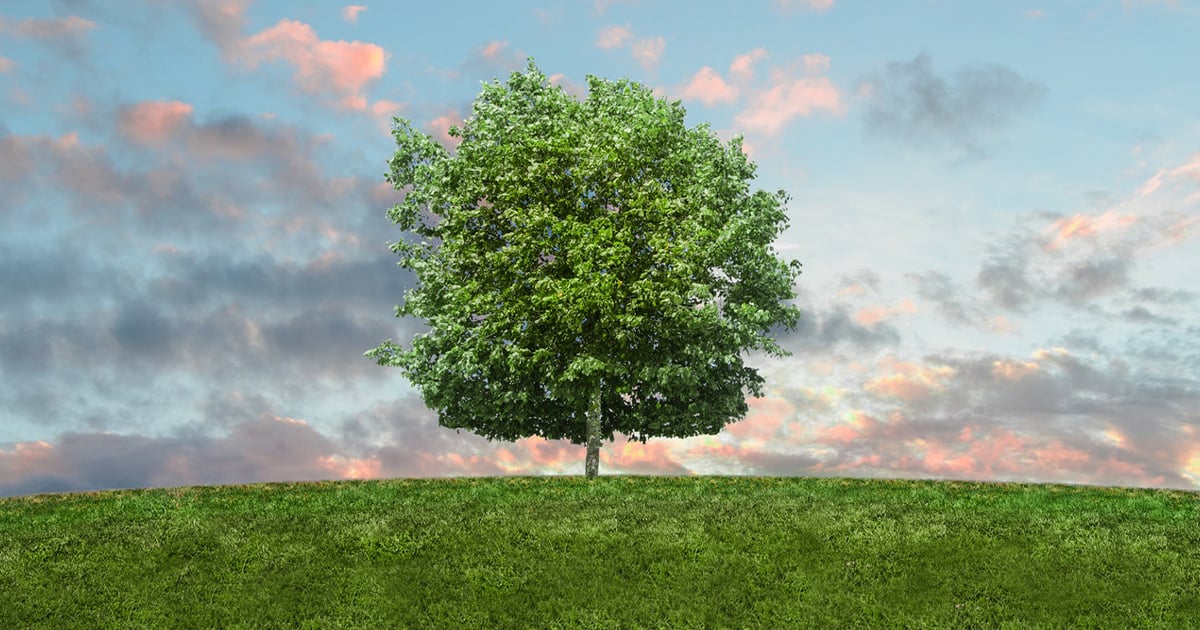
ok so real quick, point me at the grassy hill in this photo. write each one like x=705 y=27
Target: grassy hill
x=621 y=552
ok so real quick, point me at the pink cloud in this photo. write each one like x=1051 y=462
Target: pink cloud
x=337 y=69
x=1014 y=370
x=602 y=5
x=384 y=107
x=613 y=37
x=815 y=64
x=572 y=88
x=871 y=315
x=709 y=88
x=350 y=13
x=742 y=68
x=649 y=51
x=812 y=5
x=6 y=64
x=764 y=419
x=1082 y=226
x=909 y=381
x=492 y=49
x=151 y=122
x=773 y=108
x=440 y=127
x=43 y=28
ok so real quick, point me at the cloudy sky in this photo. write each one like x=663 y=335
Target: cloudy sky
x=997 y=207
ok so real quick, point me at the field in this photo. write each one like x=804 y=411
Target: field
x=619 y=552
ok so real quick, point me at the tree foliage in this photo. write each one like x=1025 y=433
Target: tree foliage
x=568 y=248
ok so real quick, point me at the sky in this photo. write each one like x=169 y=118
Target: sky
x=997 y=206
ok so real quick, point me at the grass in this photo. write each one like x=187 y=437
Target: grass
x=619 y=552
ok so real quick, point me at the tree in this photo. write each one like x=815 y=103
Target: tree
x=585 y=267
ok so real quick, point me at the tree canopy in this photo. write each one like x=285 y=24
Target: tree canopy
x=585 y=264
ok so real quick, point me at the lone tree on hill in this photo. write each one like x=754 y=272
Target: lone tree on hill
x=585 y=267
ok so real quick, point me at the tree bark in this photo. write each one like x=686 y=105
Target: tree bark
x=591 y=464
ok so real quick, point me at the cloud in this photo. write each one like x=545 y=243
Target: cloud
x=871 y=315
x=6 y=65
x=64 y=34
x=811 y=5
x=956 y=305
x=1132 y=4
x=601 y=6
x=742 y=68
x=613 y=37
x=221 y=21
x=350 y=13
x=48 y=28
x=1182 y=174
x=908 y=103
x=1076 y=259
x=339 y=70
x=647 y=51
x=909 y=381
x=489 y=59
x=1082 y=226
x=833 y=329
x=773 y=108
x=439 y=128
x=709 y=88
x=151 y=122
x=572 y=88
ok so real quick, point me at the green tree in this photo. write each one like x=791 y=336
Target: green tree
x=585 y=267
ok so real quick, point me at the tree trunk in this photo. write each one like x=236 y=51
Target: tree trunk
x=591 y=465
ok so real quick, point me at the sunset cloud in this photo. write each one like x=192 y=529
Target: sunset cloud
x=151 y=122
x=1013 y=370
x=772 y=109
x=440 y=129
x=48 y=28
x=647 y=51
x=709 y=88
x=812 y=5
x=339 y=70
x=1081 y=226
x=909 y=381
x=613 y=37
x=742 y=68
x=874 y=314
x=350 y=13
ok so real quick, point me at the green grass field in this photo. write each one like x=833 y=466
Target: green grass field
x=620 y=552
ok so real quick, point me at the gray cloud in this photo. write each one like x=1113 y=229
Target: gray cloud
x=909 y=103
x=948 y=298
x=832 y=329
x=1089 y=279
x=255 y=445
x=1023 y=271
x=863 y=277
x=220 y=23
x=66 y=35
x=995 y=417
x=176 y=284
x=1005 y=280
